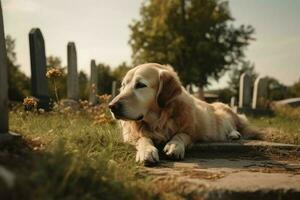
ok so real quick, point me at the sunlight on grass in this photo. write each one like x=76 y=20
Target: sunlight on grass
x=284 y=127
x=75 y=158
x=66 y=155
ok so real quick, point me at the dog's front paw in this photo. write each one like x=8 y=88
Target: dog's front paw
x=234 y=135
x=147 y=155
x=175 y=150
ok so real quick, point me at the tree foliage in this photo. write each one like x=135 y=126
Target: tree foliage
x=105 y=79
x=277 y=90
x=107 y=74
x=18 y=82
x=120 y=71
x=195 y=36
x=237 y=71
x=295 y=89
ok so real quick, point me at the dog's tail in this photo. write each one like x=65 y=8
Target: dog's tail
x=247 y=130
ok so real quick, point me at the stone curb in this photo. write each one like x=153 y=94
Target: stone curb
x=242 y=146
x=8 y=137
x=266 y=194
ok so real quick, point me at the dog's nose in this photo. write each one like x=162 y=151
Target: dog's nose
x=115 y=107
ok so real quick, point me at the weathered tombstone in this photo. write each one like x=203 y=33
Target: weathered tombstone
x=72 y=77
x=3 y=80
x=245 y=91
x=260 y=93
x=232 y=102
x=93 y=83
x=39 y=81
x=114 y=89
x=5 y=136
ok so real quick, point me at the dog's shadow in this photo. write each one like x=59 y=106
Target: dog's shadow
x=220 y=158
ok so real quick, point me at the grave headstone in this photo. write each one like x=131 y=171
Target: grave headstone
x=39 y=81
x=3 y=80
x=5 y=135
x=260 y=93
x=114 y=89
x=232 y=102
x=93 y=83
x=245 y=91
x=72 y=77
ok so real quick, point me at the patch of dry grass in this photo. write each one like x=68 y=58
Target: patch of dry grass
x=284 y=127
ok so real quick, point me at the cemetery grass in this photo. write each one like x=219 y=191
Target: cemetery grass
x=282 y=127
x=69 y=156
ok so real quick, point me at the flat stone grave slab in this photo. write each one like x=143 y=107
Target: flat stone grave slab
x=237 y=170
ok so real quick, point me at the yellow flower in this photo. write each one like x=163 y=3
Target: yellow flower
x=54 y=72
x=30 y=101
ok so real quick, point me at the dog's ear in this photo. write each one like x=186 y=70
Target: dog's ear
x=169 y=88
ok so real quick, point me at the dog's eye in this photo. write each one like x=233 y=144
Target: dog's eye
x=139 y=85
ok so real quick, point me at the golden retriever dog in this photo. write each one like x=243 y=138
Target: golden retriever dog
x=154 y=108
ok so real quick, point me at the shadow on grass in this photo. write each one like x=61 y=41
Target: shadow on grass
x=62 y=175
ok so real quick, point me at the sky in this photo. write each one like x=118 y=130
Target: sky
x=100 y=30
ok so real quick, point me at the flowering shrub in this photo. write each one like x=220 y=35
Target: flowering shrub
x=99 y=112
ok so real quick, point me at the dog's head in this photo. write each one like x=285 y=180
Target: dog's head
x=146 y=87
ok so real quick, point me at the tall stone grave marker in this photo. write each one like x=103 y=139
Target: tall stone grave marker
x=39 y=81
x=114 y=89
x=3 y=80
x=93 y=83
x=232 y=102
x=5 y=135
x=260 y=93
x=245 y=91
x=72 y=77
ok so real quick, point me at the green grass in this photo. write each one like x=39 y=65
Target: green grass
x=279 y=128
x=283 y=127
x=68 y=156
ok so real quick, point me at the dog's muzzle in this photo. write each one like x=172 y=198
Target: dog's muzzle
x=116 y=108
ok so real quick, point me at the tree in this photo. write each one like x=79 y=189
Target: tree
x=105 y=79
x=120 y=71
x=237 y=71
x=295 y=89
x=194 y=36
x=18 y=82
x=277 y=91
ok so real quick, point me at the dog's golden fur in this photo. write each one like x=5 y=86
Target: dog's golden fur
x=173 y=111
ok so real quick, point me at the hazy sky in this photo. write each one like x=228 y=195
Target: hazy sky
x=100 y=30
